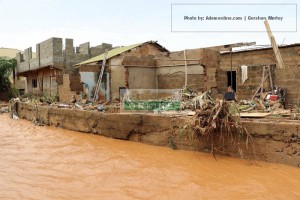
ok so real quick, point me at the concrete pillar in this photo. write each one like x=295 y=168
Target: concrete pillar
x=69 y=49
x=38 y=54
x=19 y=58
x=84 y=48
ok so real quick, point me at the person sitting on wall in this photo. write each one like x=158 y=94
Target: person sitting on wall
x=230 y=94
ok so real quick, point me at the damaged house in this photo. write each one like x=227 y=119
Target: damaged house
x=50 y=70
x=148 y=65
x=126 y=67
x=254 y=61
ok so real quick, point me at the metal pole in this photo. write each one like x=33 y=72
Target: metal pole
x=231 y=78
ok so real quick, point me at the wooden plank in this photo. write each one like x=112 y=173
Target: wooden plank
x=262 y=82
x=254 y=115
x=274 y=45
x=259 y=87
x=271 y=81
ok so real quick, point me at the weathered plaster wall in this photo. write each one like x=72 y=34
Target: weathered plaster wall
x=140 y=57
x=141 y=78
x=46 y=81
x=117 y=75
x=273 y=140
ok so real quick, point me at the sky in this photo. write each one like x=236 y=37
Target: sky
x=118 y=22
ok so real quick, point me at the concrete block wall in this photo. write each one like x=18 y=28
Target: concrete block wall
x=69 y=48
x=288 y=77
x=210 y=59
x=35 y=62
x=21 y=65
x=177 y=80
x=249 y=87
x=81 y=53
x=84 y=48
x=97 y=50
x=24 y=60
x=207 y=58
x=72 y=59
x=51 y=52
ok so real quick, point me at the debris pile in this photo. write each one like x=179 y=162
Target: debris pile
x=218 y=122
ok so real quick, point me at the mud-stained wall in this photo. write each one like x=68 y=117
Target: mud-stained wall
x=117 y=75
x=138 y=57
x=141 y=77
x=177 y=80
x=69 y=86
x=174 y=77
x=202 y=65
x=273 y=141
x=43 y=81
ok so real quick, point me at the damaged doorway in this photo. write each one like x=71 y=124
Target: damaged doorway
x=231 y=79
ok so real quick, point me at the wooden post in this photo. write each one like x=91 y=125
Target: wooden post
x=262 y=82
x=274 y=45
x=271 y=81
x=185 y=67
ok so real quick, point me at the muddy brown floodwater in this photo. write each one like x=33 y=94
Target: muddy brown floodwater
x=41 y=162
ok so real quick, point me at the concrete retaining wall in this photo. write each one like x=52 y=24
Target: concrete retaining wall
x=273 y=140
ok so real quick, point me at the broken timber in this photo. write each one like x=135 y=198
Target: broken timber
x=263 y=80
x=274 y=45
x=97 y=90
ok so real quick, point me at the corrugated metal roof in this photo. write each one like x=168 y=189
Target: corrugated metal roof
x=110 y=54
x=257 y=48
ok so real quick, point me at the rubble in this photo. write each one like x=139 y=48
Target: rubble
x=4 y=110
x=190 y=103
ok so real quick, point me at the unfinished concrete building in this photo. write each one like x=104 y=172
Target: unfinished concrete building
x=51 y=70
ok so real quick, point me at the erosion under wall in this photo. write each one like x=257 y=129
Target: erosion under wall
x=273 y=140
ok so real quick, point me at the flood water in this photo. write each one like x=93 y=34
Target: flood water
x=40 y=162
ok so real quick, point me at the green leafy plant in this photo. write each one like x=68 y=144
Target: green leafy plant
x=7 y=65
